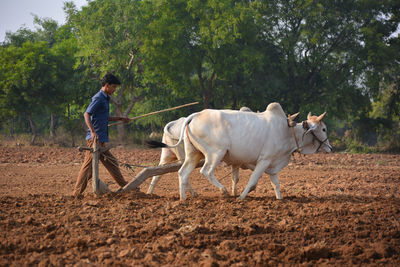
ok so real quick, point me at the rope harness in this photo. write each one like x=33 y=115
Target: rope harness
x=306 y=127
x=292 y=124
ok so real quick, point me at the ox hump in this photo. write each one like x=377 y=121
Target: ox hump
x=276 y=108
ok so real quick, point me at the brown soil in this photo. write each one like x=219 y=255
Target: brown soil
x=338 y=209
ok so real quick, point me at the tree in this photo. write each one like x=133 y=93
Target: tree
x=191 y=43
x=18 y=38
x=108 y=37
x=27 y=82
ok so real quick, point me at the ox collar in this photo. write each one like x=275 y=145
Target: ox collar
x=305 y=125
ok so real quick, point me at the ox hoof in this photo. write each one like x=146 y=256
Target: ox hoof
x=224 y=191
x=119 y=190
x=149 y=192
x=253 y=188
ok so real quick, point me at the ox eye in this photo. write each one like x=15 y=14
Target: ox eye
x=324 y=130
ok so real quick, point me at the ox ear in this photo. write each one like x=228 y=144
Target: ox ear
x=309 y=116
x=312 y=128
x=320 y=117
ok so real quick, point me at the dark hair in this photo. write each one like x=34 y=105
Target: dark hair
x=110 y=79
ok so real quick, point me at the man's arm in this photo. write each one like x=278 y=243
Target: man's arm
x=89 y=124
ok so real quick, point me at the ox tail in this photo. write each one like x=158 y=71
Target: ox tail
x=156 y=144
x=167 y=128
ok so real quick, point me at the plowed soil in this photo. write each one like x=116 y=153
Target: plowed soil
x=337 y=209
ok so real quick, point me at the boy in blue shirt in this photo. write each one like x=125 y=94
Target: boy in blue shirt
x=97 y=116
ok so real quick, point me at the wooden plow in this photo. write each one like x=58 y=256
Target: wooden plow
x=100 y=188
x=150 y=172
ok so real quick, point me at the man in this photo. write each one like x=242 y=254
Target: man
x=96 y=118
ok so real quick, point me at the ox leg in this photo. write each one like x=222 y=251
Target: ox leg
x=255 y=176
x=192 y=157
x=208 y=171
x=275 y=184
x=170 y=156
x=154 y=181
x=180 y=154
x=167 y=156
x=235 y=178
x=184 y=172
x=187 y=167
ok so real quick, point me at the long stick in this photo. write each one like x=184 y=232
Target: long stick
x=152 y=113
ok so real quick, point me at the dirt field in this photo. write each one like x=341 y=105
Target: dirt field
x=338 y=209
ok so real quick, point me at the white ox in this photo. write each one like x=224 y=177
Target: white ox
x=170 y=155
x=263 y=140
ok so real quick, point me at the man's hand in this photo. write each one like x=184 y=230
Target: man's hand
x=89 y=124
x=94 y=135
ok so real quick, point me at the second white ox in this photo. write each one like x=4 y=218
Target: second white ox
x=263 y=140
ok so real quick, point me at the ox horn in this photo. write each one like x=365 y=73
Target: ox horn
x=320 y=117
x=309 y=116
x=291 y=123
x=292 y=117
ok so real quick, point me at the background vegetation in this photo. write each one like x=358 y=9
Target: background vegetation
x=339 y=56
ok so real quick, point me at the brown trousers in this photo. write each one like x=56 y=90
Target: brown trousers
x=85 y=173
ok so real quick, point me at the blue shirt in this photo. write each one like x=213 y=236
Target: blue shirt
x=99 y=110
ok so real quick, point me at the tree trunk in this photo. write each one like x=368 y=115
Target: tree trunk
x=12 y=130
x=70 y=128
x=33 y=129
x=211 y=103
x=203 y=89
x=120 y=127
x=206 y=91
x=52 y=127
x=119 y=110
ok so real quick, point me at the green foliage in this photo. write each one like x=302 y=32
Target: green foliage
x=386 y=110
x=334 y=56
x=108 y=37
x=28 y=77
x=353 y=145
